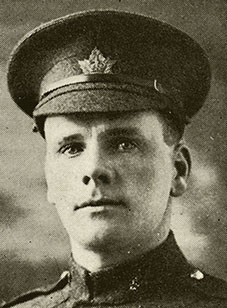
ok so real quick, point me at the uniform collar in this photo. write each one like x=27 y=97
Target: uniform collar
x=135 y=279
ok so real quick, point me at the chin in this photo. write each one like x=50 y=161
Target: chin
x=96 y=236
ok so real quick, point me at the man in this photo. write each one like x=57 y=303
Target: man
x=111 y=93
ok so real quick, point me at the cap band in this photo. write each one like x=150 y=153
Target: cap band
x=115 y=78
x=99 y=92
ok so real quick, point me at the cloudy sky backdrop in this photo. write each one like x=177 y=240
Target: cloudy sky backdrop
x=34 y=248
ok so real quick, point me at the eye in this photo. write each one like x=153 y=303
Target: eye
x=72 y=150
x=126 y=146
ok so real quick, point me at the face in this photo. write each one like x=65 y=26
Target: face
x=109 y=177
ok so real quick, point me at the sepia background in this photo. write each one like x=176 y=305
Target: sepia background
x=34 y=247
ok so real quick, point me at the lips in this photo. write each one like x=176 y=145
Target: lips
x=100 y=202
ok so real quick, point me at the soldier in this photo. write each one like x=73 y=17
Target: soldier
x=111 y=93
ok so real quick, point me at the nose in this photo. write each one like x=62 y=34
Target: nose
x=100 y=176
x=98 y=170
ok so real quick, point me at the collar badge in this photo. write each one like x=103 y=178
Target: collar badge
x=197 y=275
x=96 y=63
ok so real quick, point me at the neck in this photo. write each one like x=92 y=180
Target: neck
x=95 y=260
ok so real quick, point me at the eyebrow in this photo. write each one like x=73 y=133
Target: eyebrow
x=70 y=138
x=114 y=132
x=121 y=131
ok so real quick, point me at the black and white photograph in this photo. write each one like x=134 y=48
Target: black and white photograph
x=113 y=187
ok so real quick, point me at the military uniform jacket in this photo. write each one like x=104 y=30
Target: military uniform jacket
x=160 y=279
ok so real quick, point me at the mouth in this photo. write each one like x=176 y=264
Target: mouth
x=104 y=202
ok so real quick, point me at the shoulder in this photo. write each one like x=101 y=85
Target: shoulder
x=56 y=293
x=207 y=286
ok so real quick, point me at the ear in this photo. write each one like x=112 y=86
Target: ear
x=182 y=165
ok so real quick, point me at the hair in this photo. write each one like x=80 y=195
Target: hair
x=173 y=129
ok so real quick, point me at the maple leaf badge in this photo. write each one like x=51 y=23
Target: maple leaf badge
x=96 y=63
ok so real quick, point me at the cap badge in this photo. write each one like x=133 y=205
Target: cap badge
x=97 y=63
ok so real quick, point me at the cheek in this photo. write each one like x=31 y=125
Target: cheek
x=147 y=178
x=147 y=188
x=62 y=182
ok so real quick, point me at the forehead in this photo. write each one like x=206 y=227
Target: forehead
x=146 y=123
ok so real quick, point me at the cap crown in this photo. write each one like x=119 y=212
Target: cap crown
x=141 y=49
